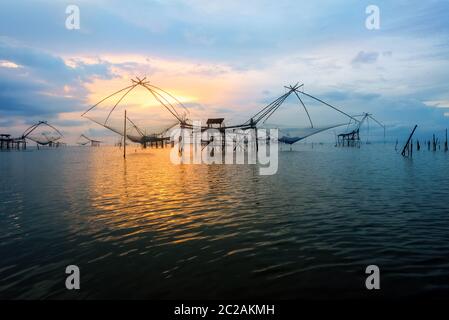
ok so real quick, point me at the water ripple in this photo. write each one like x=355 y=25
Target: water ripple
x=146 y=228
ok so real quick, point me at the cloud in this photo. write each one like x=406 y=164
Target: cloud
x=437 y=103
x=232 y=55
x=44 y=85
x=8 y=64
x=365 y=57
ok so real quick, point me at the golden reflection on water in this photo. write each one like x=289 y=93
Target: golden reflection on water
x=147 y=193
x=145 y=228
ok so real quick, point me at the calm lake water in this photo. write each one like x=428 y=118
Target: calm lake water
x=144 y=228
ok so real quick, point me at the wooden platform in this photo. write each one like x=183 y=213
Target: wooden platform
x=8 y=143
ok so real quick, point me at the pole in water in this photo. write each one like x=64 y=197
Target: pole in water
x=124 y=137
x=445 y=143
x=406 y=150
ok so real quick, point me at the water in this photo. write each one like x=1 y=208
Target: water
x=144 y=228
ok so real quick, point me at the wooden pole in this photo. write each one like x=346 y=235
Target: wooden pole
x=257 y=139
x=124 y=137
x=407 y=145
x=445 y=144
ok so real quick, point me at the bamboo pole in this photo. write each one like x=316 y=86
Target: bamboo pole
x=445 y=144
x=124 y=137
x=407 y=145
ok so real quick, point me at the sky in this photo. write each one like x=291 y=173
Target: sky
x=225 y=58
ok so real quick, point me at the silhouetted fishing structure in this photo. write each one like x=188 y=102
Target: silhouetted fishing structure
x=44 y=134
x=155 y=139
x=9 y=143
x=352 y=138
x=41 y=132
x=130 y=130
x=287 y=139
x=84 y=140
x=269 y=110
x=265 y=113
x=134 y=133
